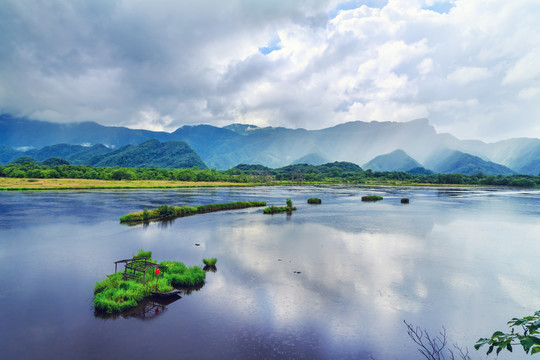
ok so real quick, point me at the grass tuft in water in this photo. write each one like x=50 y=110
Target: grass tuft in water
x=209 y=262
x=372 y=198
x=314 y=201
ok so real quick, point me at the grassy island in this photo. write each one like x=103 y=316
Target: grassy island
x=372 y=198
x=166 y=212
x=280 y=209
x=122 y=291
x=405 y=200
x=314 y=201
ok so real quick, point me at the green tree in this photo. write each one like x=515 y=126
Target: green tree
x=122 y=174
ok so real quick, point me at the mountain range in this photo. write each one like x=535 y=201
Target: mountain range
x=414 y=143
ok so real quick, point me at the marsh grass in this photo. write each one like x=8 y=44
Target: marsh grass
x=372 y=198
x=405 y=201
x=166 y=212
x=114 y=294
x=314 y=201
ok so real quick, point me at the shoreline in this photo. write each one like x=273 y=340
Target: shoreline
x=25 y=184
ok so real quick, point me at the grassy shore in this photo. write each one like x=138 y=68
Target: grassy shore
x=79 y=184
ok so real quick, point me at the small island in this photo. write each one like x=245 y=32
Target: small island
x=372 y=198
x=166 y=212
x=314 y=201
x=143 y=278
x=280 y=209
x=405 y=200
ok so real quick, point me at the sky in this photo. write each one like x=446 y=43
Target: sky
x=472 y=67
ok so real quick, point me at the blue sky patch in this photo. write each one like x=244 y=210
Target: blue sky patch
x=274 y=45
x=441 y=7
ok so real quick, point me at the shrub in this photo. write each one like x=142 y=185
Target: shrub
x=314 y=201
x=145 y=215
x=372 y=198
x=405 y=201
x=166 y=211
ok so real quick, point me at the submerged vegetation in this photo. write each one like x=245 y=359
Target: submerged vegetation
x=372 y=198
x=166 y=212
x=280 y=209
x=333 y=173
x=117 y=293
x=314 y=201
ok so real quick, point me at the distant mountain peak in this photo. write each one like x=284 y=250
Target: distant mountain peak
x=397 y=160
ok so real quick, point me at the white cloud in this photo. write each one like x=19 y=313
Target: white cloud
x=467 y=74
x=525 y=69
x=529 y=93
x=166 y=64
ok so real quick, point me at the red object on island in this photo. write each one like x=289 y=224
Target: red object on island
x=157 y=271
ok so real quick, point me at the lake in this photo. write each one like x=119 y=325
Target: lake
x=330 y=281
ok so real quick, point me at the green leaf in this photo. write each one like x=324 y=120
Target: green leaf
x=527 y=343
x=490 y=350
x=509 y=347
x=535 y=350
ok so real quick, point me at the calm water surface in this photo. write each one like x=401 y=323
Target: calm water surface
x=332 y=281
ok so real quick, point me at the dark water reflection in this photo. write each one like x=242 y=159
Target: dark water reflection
x=331 y=281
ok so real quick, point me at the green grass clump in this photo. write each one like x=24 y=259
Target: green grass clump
x=143 y=255
x=115 y=295
x=180 y=275
x=314 y=201
x=164 y=212
x=405 y=201
x=210 y=262
x=371 y=198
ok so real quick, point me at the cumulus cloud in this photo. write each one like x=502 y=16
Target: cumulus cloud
x=162 y=64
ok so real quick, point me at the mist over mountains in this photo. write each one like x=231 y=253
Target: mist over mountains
x=358 y=142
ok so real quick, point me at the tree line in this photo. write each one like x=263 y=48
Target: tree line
x=338 y=172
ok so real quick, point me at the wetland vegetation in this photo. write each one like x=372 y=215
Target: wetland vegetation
x=166 y=212
x=280 y=209
x=372 y=198
x=118 y=292
x=314 y=201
